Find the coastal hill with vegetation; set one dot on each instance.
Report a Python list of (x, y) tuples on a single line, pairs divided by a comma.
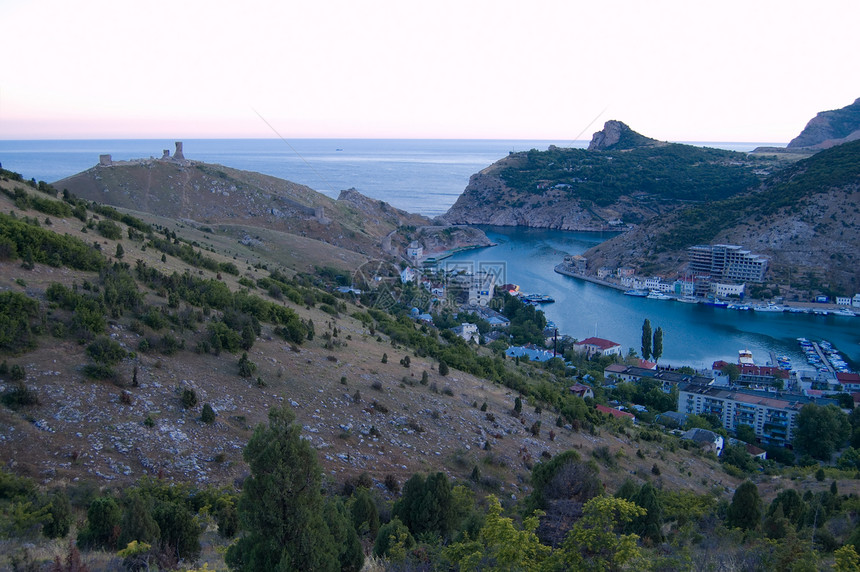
[(259, 210), (805, 218), (186, 389), (622, 179)]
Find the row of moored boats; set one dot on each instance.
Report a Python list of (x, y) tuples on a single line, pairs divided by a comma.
[(742, 307)]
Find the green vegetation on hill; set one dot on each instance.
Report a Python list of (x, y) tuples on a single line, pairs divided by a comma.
[(671, 172), (832, 168)]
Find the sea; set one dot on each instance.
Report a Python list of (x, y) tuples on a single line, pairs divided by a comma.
[(427, 176)]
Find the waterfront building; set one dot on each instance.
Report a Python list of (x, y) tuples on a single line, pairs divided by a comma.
[(724, 264), (597, 347), (576, 262), (604, 271), (723, 290), (751, 373), (773, 417)]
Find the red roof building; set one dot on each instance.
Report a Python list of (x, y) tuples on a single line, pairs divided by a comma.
[(617, 413), (597, 346)]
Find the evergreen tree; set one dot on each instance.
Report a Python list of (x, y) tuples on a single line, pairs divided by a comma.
[(120, 252), (646, 339), (657, 348), (60, 510), (821, 430), (103, 519), (281, 508), (745, 510), (137, 522), (443, 368), (648, 525)]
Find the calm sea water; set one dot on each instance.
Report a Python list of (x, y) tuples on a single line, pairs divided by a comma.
[(418, 175), (427, 176)]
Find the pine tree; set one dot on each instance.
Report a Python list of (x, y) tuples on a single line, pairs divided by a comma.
[(443, 368), (745, 510), (282, 510), (657, 349), (646, 339)]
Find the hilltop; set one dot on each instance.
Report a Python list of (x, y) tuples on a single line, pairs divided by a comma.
[(829, 128), (622, 179), (258, 210)]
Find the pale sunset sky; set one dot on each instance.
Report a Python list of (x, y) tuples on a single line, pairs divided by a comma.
[(686, 70)]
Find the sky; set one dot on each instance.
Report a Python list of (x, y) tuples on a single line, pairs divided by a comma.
[(688, 70)]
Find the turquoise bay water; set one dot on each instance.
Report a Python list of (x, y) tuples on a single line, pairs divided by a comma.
[(427, 176), (694, 334)]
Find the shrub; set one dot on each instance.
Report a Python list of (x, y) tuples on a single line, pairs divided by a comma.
[(106, 351), (19, 397), (208, 414), (189, 398), (246, 366)]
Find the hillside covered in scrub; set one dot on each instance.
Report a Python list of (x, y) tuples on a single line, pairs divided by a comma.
[(805, 218), (175, 398), (624, 179)]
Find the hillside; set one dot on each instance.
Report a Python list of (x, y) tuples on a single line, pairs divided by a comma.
[(794, 217), (246, 204), (87, 428), (622, 179)]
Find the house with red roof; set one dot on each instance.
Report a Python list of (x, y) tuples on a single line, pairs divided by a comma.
[(597, 347), (617, 413), (848, 381)]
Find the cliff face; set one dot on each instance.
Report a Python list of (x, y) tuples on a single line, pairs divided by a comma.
[(617, 135), (623, 178), (830, 128)]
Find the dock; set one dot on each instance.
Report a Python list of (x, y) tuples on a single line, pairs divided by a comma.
[(824, 360)]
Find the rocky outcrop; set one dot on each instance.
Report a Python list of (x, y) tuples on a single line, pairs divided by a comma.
[(622, 179), (617, 135), (830, 128)]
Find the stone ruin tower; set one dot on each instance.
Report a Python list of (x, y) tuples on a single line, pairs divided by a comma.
[(177, 155)]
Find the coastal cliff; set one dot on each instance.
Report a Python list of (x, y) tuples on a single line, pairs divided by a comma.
[(621, 180), (830, 128)]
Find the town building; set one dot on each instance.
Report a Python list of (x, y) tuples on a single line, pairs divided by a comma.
[(468, 332), (773, 417), (617, 413), (597, 347), (725, 264), (415, 250), (667, 378), (707, 440), (582, 390)]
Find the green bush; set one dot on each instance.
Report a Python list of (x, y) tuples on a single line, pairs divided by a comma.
[(106, 351), (189, 398), (208, 414)]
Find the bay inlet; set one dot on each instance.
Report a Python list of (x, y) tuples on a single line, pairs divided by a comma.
[(694, 334)]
